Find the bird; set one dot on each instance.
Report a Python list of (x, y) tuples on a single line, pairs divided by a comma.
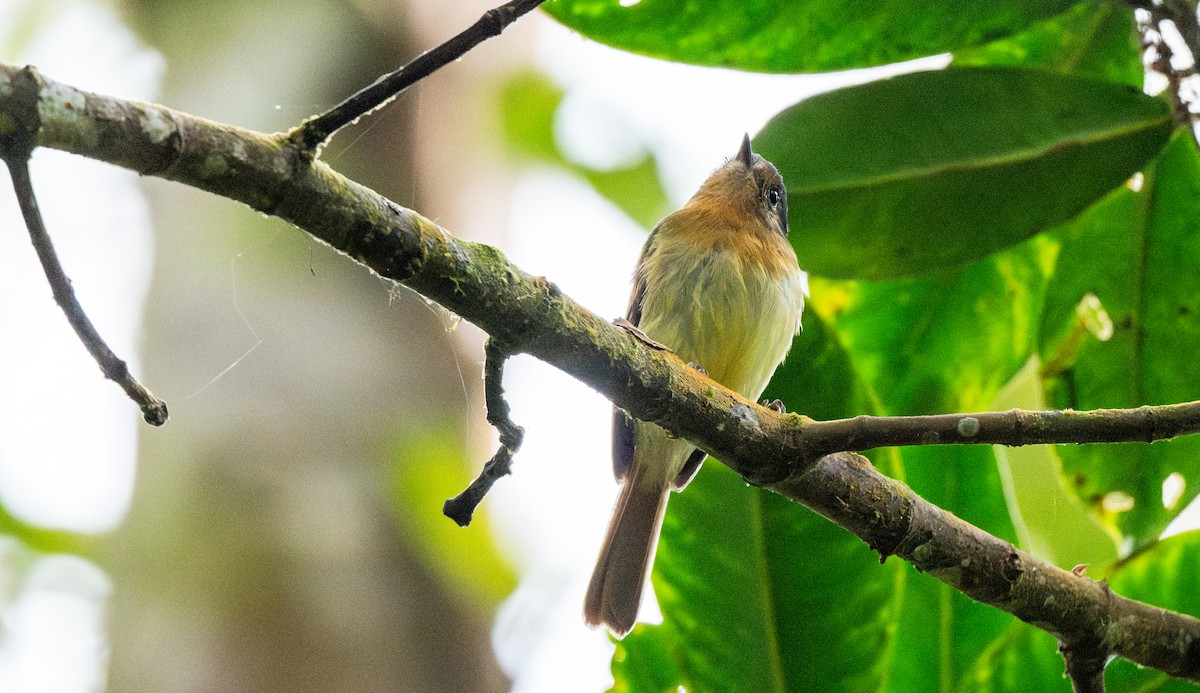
[(717, 283)]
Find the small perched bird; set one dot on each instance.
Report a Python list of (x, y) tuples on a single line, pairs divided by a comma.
[(717, 283)]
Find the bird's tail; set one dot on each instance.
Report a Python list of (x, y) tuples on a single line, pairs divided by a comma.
[(615, 592)]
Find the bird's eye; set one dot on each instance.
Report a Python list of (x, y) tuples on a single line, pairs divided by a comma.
[(773, 197)]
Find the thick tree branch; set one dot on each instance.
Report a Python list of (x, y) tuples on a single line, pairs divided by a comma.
[(785, 453)]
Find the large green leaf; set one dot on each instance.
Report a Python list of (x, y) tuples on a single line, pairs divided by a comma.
[(1022, 660), (1164, 575), (940, 632), (1138, 253), (797, 35), (943, 343), (1096, 38), (758, 593), (909, 175)]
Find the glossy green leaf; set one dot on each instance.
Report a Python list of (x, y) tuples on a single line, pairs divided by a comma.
[(1164, 575), (937, 344), (430, 468), (740, 570), (1095, 38), (943, 343), (528, 104), (940, 632), (1051, 523), (1137, 253), (1022, 660), (796, 35), (910, 175)]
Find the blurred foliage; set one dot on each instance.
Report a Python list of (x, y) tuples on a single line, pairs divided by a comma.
[(430, 466), (972, 234), (528, 104)]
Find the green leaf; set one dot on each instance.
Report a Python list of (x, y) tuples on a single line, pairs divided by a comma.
[(429, 468), (909, 175), (1164, 575), (1096, 38), (1023, 659), (757, 592), (944, 343), (528, 104), (797, 36), (43, 539), (1137, 253), (940, 632), (1052, 524)]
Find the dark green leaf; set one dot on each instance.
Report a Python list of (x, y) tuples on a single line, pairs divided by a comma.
[(797, 36), (940, 632), (1137, 252), (1022, 660), (913, 174), (1096, 38), (944, 343)]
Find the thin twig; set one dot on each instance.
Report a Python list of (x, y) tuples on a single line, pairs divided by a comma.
[(313, 133), (1013, 428), (154, 410), (461, 507)]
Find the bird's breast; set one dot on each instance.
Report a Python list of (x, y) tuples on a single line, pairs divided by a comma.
[(732, 309)]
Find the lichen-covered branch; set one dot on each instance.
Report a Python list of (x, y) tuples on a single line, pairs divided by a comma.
[(786, 453)]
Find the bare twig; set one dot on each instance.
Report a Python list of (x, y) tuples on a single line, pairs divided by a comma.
[(154, 410), (316, 131), (461, 507), (1013, 428), (529, 315)]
